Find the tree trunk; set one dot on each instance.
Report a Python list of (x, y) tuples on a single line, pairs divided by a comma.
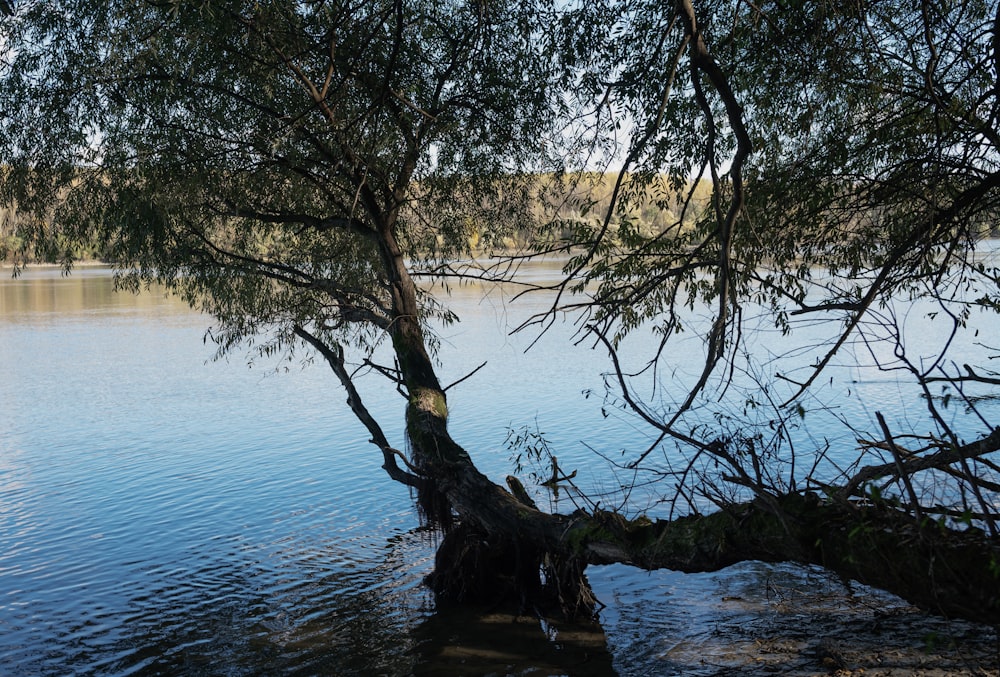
[(503, 548), (941, 570)]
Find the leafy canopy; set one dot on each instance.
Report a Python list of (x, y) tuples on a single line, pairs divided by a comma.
[(264, 158)]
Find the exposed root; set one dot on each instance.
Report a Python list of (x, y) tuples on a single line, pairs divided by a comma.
[(474, 567)]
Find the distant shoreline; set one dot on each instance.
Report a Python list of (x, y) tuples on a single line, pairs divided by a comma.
[(7, 268)]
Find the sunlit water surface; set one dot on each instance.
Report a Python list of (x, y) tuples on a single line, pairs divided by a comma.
[(162, 513)]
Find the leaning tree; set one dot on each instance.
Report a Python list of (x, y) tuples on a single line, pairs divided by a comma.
[(291, 167)]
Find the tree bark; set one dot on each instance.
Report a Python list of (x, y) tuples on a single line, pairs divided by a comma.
[(941, 570)]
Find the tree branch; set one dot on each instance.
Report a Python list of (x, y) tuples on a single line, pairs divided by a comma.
[(335, 358), (910, 465)]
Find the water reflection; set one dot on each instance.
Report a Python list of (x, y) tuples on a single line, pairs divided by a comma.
[(40, 291), (230, 613), (758, 619), (469, 641), (161, 515)]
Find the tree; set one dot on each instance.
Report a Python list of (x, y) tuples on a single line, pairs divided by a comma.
[(291, 167)]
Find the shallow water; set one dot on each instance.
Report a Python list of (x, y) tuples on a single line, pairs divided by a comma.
[(165, 514)]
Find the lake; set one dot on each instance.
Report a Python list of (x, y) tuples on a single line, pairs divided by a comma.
[(163, 513)]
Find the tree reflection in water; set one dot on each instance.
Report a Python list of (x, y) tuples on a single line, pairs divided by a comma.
[(464, 640)]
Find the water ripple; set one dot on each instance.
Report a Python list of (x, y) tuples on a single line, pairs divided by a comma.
[(161, 515)]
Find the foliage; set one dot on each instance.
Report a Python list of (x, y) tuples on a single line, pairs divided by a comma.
[(248, 154)]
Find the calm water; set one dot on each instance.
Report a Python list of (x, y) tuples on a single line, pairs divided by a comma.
[(161, 513)]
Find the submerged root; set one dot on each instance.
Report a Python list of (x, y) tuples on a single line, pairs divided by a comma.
[(565, 583), (473, 567)]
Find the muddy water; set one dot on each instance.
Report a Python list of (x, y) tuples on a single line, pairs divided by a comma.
[(164, 515)]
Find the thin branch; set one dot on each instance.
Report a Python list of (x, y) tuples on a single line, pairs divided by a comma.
[(467, 376), (335, 358), (897, 459), (940, 459)]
